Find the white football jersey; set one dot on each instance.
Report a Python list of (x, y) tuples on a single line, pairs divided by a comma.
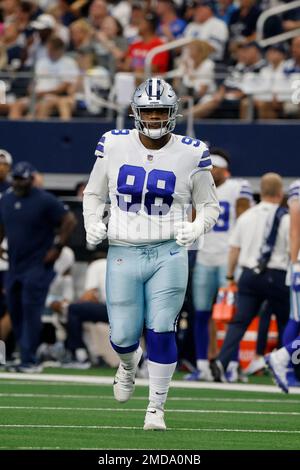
[(214, 251), (149, 190)]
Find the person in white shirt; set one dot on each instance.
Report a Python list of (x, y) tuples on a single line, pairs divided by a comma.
[(197, 71), (235, 196), (260, 246), (207, 27), (271, 81), (56, 75)]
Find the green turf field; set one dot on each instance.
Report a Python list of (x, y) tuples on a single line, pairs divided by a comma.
[(77, 416)]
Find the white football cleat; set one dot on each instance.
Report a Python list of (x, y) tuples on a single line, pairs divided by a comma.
[(154, 420), (279, 371), (124, 378)]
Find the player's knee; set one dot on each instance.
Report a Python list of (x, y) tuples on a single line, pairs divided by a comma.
[(123, 340)]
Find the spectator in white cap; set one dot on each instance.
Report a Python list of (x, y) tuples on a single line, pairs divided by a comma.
[(5, 167), (44, 27)]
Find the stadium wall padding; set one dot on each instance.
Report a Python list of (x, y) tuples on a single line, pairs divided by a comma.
[(58, 147)]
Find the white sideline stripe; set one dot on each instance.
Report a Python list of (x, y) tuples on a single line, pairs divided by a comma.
[(145, 398), (126, 428), (143, 382), (142, 410)]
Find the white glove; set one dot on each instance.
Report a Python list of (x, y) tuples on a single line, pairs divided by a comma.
[(95, 233), (187, 233)]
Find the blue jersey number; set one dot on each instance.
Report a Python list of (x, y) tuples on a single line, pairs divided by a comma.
[(160, 184), (222, 224), (189, 141)]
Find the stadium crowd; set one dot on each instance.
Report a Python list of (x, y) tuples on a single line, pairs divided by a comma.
[(58, 57)]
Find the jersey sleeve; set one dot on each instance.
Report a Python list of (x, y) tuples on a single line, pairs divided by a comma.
[(245, 191), (203, 158), (294, 191), (99, 152), (96, 191)]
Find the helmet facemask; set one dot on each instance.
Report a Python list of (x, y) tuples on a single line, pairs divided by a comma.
[(145, 126), (155, 94)]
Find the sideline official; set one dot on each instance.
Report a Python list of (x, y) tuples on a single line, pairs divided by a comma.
[(37, 225)]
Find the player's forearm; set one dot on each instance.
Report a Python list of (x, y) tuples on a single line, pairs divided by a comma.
[(67, 226), (205, 200), (93, 208), (233, 258)]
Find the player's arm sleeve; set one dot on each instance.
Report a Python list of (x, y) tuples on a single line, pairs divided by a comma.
[(245, 191), (245, 198), (294, 192), (96, 192), (205, 200)]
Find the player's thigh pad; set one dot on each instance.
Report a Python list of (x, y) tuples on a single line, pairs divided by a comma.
[(124, 296), (205, 286), (165, 290)]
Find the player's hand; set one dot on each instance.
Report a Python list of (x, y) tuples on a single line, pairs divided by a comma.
[(186, 233), (96, 233), (296, 277)]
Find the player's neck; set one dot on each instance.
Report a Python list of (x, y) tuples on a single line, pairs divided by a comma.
[(154, 144)]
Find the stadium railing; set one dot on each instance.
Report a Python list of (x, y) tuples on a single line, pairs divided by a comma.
[(275, 10)]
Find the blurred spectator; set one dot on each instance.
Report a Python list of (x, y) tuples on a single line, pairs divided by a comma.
[(225, 9), (291, 19), (24, 15), (196, 71), (92, 83), (170, 26), (67, 15), (243, 21), (135, 58), (232, 91), (97, 12), (32, 252), (207, 27), (43, 27), (13, 48), (9, 10), (81, 35), (121, 10), (55, 76), (284, 84), (110, 46), (271, 80), (131, 29)]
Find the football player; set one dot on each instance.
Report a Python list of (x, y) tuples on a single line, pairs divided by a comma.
[(235, 196), (280, 360), (150, 176)]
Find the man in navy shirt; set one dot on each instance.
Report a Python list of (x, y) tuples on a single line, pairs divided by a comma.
[(37, 225)]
